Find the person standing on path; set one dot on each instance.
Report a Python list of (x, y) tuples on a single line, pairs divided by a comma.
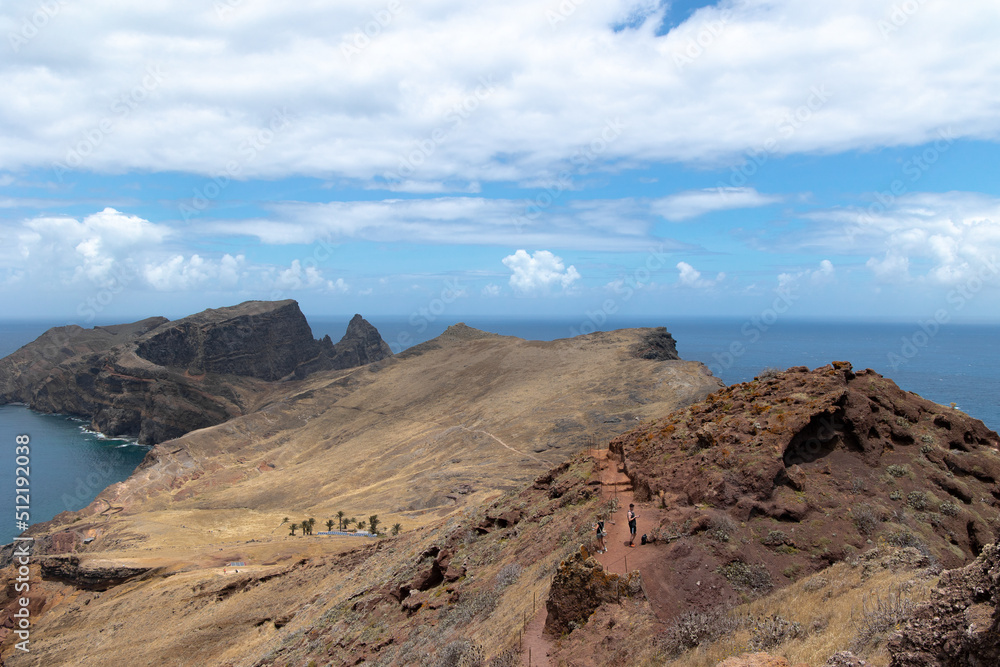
[(601, 548), (631, 523)]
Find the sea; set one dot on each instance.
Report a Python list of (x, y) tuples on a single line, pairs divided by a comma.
[(946, 363)]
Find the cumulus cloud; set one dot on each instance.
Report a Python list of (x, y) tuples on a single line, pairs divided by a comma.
[(539, 272), (936, 238), (824, 275), (500, 103), (196, 272), (96, 250), (691, 277), (694, 203), (295, 277), (893, 268)]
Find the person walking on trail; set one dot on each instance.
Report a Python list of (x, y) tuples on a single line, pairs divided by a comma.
[(631, 523), (601, 548)]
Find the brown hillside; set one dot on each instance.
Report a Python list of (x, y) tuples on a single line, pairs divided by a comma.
[(771, 480)]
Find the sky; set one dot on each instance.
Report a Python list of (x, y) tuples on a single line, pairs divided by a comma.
[(532, 158)]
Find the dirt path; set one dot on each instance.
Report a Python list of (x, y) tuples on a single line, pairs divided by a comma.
[(535, 646), (620, 558)]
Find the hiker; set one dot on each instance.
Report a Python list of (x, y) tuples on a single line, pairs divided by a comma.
[(601, 548), (631, 523)]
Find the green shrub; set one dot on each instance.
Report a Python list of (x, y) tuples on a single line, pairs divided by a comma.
[(948, 508), (917, 500)]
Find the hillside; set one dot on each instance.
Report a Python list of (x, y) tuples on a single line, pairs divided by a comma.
[(430, 439), (156, 379), (804, 513)]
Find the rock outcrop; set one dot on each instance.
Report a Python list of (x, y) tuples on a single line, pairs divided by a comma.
[(960, 626), (765, 482), (658, 344), (88, 576), (156, 380), (579, 587)]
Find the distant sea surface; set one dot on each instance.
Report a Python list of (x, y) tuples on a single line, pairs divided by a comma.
[(957, 363)]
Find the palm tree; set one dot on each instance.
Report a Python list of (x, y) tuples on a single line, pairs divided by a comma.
[(361, 524), (311, 522), (340, 519), (373, 523), (396, 528), (285, 520), (294, 526), (329, 525), (305, 527)]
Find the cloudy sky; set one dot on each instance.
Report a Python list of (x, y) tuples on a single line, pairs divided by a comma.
[(524, 157)]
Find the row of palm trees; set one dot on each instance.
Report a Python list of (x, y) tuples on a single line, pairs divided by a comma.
[(343, 522)]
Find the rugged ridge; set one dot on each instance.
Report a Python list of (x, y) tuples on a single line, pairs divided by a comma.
[(156, 379), (801, 469)]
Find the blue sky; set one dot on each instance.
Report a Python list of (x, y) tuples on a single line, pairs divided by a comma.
[(525, 158)]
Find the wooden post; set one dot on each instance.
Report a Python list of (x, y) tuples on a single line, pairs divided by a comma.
[(533, 596), (626, 564), (529, 656)]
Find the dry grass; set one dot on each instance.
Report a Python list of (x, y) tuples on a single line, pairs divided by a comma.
[(835, 610)]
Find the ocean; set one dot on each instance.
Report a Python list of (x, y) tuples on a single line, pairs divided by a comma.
[(957, 363)]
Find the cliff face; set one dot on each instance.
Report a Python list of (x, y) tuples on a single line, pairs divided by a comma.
[(157, 380)]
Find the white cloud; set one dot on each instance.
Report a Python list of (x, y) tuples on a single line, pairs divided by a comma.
[(219, 78), (893, 268), (691, 204), (617, 225), (936, 238), (296, 277), (691, 277), (824, 275), (98, 250), (180, 274), (539, 272)]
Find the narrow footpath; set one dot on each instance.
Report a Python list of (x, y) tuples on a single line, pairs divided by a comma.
[(620, 557)]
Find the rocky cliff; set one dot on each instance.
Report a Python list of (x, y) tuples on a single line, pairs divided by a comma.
[(156, 379)]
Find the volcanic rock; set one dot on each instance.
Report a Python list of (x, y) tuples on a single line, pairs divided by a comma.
[(960, 625), (157, 380), (579, 587)]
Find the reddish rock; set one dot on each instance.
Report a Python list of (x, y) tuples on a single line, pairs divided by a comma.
[(960, 625)]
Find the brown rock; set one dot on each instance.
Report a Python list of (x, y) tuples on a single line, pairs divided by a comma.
[(960, 625)]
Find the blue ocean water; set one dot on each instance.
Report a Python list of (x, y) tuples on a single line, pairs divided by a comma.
[(68, 465), (957, 363)]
